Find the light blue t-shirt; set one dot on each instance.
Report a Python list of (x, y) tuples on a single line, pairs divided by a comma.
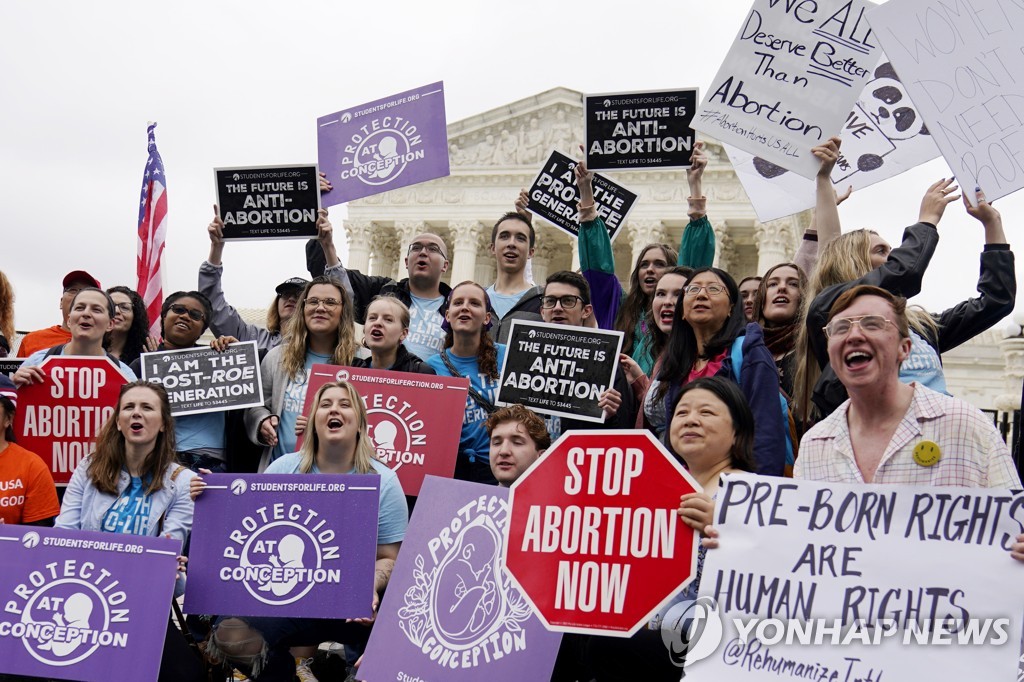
[(291, 408), (502, 303), (200, 432), (425, 337), (37, 358), (923, 366), (130, 512), (393, 516), (474, 443)]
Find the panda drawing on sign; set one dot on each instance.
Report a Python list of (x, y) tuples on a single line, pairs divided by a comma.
[(883, 118)]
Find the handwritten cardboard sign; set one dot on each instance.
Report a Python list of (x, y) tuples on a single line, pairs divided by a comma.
[(884, 582), (961, 66), (789, 80)]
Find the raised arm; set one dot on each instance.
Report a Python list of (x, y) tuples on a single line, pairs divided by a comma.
[(997, 283), (825, 220), (697, 246), (597, 262)]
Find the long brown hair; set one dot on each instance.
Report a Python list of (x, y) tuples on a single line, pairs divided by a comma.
[(364, 454), (109, 458), (487, 353), (296, 343), (637, 304)]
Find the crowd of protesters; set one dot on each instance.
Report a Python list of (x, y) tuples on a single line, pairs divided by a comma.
[(816, 369)]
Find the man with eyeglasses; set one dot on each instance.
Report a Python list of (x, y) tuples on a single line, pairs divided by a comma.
[(889, 432), (226, 321), (566, 300), (422, 291), (58, 334)]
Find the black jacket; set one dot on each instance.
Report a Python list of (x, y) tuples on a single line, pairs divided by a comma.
[(404, 362), (901, 274)]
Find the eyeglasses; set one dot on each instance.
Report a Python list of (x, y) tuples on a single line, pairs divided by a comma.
[(290, 295), (329, 303), (179, 309), (712, 289), (124, 307), (429, 248), (72, 290), (841, 326), (567, 302)]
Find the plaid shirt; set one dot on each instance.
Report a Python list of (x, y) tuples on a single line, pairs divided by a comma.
[(973, 454)]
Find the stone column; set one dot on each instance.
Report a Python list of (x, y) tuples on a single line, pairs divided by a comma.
[(465, 235), (641, 233), (542, 256), (405, 230), (384, 246), (725, 250), (1013, 354), (486, 269), (774, 241), (358, 234)]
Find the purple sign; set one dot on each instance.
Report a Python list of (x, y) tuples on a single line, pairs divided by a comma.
[(450, 613), (284, 545), (78, 604), (382, 145)]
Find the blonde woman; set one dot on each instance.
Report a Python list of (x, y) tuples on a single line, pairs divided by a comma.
[(6, 315), (321, 332), (337, 444), (384, 333), (863, 257)]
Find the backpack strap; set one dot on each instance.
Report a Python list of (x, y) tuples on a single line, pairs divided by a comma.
[(737, 356), (478, 398), (59, 350)]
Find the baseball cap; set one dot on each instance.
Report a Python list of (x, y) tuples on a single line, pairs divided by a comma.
[(8, 389), (291, 283), (80, 276)]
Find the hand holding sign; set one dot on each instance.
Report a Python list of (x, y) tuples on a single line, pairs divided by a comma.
[(28, 375), (935, 200)]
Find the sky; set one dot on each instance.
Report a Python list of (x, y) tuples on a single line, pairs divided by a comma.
[(242, 84)]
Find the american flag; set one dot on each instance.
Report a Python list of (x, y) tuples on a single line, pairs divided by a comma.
[(152, 232)]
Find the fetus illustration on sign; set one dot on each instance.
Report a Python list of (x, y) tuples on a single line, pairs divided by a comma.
[(290, 550), (74, 616), (466, 599)]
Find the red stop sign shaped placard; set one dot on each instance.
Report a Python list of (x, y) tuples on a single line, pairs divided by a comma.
[(594, 540), (59, 418)]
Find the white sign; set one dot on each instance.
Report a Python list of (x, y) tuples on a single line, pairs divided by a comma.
[(869, 582), (794, 71), (961, 63), (884, 135)]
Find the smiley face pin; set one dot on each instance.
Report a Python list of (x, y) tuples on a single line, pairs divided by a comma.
[(927, 453)]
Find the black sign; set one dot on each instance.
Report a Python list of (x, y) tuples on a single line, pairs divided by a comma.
[(8, 366), (275, 202), (640, 129), (560, 370), (553, 196), (201, 379)]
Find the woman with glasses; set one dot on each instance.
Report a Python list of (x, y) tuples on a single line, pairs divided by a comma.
[(863, 257), (200, 438), (629, 312), (322, 332), (90, 318), (710, 338), (470, 352), (225, 320), (130, 336)]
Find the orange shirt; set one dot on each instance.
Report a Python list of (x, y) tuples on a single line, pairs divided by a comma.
[(27, 493), (42, 339)]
